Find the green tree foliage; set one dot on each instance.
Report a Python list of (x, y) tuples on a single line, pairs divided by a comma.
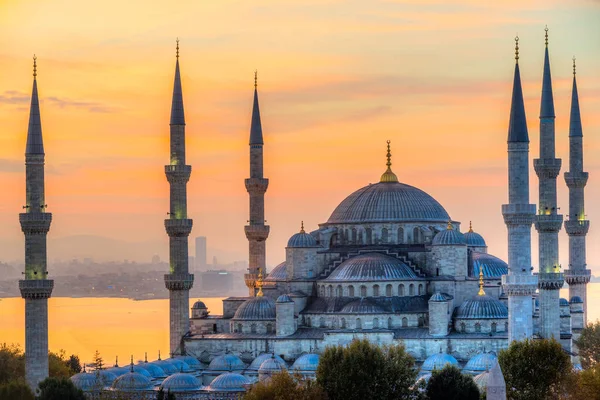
[(451, 384), (73, 364), (59, 389), (16, 390), (161, 395), (589, 345), (535, 369), (12, 363), (284, 386), (365, 371), (587, 384), (57, 365), (98, 361)]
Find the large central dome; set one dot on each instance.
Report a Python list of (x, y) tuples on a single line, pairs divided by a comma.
[(388, 202)]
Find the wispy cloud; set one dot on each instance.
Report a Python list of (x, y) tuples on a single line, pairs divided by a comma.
[(19, 98), (8, 165)]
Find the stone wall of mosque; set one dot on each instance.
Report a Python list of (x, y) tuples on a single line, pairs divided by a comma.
[(364, 321)]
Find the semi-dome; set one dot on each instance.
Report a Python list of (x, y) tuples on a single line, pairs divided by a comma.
[(492, 267), (256, 363), (88, 382), (257, 308), (278, 273), (388, 202), (153, 369), (306, 362), (132, 381), (302, 239), (181, 382), (199, 305), (371, 267), (576, 300), (361, 306), (481, 307), (438, 361), (229, 382), (449, 237), (226, 362), (473, 238), (272, 364), (481, 362)]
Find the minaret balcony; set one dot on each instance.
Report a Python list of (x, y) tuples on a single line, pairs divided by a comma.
[(258, 233), (35, 222), (577, 277), (35, 289), (548, 222), (178, 173), (576, 179), (178, 227), (518, 214), (550, 280), (256, 185), (519, 285), (547, 168), (575, 227), (179, 281)]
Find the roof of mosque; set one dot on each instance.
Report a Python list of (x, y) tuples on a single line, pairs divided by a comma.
[(229, 382), (306, 362), (179, 364), (576, 300), (563, 302), (256, 363), (492, 266), (371, 267), (141, 370), (153, 369), (181, 382), (440, 297), (284, 298), (199, 304), (448, 237), (118, 371), (166, 366), (302, 239), (107, 377), (193, 362), (278, 273), (474, 239), (132, 381), (395, 304), (481, 307), (227, 362), (272, 364), (256, 308), (361, 306), (438, 361), (88, 381), (481, 362), (388, 202)]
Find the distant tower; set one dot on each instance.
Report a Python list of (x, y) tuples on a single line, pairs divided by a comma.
[(256, 231), (179, 281), (577, 276), (35, 224), (548, 222), (201, 253), (518, 214)]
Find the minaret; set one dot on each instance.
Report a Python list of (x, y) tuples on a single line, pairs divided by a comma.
[(518, 214), (548, 222), (577, 226), (256, 230), (35, 224), (179, 281)]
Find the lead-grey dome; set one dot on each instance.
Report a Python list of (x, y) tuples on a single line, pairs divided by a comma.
[(179, 364), (226, 362), (302, 239), (306, 362), (493, 267), (154, 370), (166, 366), (132, 381), (474, 239), (278, 273), (481, 307), (576, 300), (107, 377), (481, 362), (371, 267), (88, 382), (191, 361), (199, 305), (257, 308), (229, 382), (272, 364), (388, 202), (438, 361), (256, 363), (449, 237), (181, 382)]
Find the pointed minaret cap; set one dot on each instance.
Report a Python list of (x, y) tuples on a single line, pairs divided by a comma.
[(35, 143), (517, 127), (388, 176), (575, 128), (177, 114), (256, 137), (547, 106)]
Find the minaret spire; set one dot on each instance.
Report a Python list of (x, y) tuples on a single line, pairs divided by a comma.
[(178, 226), (256, 137), (35, 224), (517, 126)]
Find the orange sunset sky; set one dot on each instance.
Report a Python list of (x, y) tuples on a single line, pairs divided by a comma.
[(336, 80)]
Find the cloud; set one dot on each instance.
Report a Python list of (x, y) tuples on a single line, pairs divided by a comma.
[(19, 98), (8, 165), (14, 97)]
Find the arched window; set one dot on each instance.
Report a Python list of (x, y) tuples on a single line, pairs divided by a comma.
[(360, 237), (308, 321), (420, 289), (375, 290), (339, 291), (411, 290), (358, 324), (400, 239), (343, 323), (369, 234), (269, 328), (390, 325), (351, 291), (353, 235), (363, 291), (506, 326), (384, 235), (388, 290), (375, 323), (346, 236), (322, 322), (494, 327), (334, 323), (463, 327), (477, 327), (405, 322), (416, 235), (322, 291), (253, 328), (330, 291), (400, 290), (334, 240), (421, 322)]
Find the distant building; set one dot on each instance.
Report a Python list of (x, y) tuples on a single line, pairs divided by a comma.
[(216, 281), (201, 253)]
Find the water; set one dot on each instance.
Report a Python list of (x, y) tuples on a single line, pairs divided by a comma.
[(123, 327)]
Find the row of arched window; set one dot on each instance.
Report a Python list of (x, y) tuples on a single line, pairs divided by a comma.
[(478, 327), (367, 236), (362, 323), (252, 328), (372, 290)]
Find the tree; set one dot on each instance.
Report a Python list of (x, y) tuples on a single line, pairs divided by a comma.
[(587, 384), (161, 395), (57, 365), (98, 361), (450, 384), (589, 345), (365, 371), (73, 364), (16, 390), (535, 369), (59, 389), (12, 363), (284, 386)]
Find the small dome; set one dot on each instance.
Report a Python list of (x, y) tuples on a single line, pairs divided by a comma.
[(272, 364), (226, 362), (284, 298), (449, 237), (302, 239), (199, 305), (256, 363), (179, 364), (107, 377), (481, 362), (278, 273), (481, 307), (481, 380), (474, 239), (563, 302), (493, 267), (361, 306), (424, 378), (306, 362), (576, 300), (438, 361), (371, 267), (439, 297), (166, 366), (141, 370), (181, 382), (155, 370), (191, 361), (257, 308), (132, 381), (87, 381), (118, 371), (229, 382)]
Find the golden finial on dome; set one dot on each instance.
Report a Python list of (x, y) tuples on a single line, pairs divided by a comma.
[(449, 226), (259, 284), (470, 226), (388, 175), (302, 227), (481, 291)]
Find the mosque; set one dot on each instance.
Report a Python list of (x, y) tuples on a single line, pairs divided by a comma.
[(390, 265)]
